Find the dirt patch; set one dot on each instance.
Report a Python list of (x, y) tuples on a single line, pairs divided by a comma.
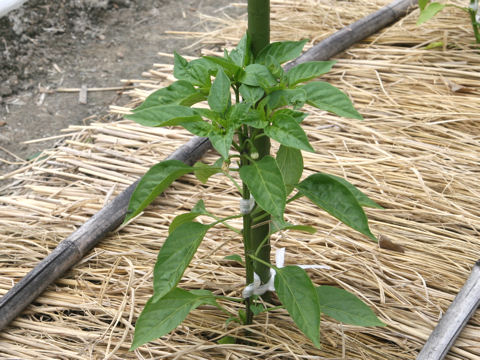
[(46, 45)]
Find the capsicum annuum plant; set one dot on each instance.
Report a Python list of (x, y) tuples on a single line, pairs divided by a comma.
[(248, 99)]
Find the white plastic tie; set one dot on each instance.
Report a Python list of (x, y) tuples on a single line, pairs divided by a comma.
[(246, 205), (257, 288)]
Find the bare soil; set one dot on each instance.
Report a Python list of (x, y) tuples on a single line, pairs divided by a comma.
[(46, 45)]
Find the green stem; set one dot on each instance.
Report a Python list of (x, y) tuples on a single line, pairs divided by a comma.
[(474, 25)]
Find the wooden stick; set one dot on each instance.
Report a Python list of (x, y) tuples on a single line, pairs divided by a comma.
[(454, 320), (72, 249), (359, 30)]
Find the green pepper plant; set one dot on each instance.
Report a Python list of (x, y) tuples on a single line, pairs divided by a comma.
[(429, 9), (249, 98)]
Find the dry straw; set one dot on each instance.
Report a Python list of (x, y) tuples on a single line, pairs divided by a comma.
[(416, 154)]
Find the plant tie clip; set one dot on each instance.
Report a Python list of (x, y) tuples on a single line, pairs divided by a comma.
[(257, 288), (246, 205)]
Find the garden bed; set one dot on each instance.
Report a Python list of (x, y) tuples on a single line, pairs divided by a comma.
[(416, 154)]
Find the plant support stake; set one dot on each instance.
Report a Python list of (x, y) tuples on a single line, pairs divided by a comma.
[(72, 249), (454, 320)]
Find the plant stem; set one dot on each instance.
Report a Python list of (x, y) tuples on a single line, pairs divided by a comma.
[(474, 25), (259, 32), (249, 249)]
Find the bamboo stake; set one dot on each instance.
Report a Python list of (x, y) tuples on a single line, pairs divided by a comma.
[(359, 30), (454, 320), (73, 249)]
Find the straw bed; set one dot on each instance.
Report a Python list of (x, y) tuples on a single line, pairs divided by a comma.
[(416, 154)]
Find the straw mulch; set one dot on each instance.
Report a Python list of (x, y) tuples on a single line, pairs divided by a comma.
[(416, 154)]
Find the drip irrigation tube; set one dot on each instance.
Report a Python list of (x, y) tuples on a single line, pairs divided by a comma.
[(72, 249)]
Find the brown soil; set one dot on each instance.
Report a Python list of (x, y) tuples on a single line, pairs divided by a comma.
[(46, 45)]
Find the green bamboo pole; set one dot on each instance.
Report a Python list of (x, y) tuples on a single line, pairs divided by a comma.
[(259, 33)]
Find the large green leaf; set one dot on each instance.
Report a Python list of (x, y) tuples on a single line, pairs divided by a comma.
[(282, 51), (297, 293), (345, 307), (160, 317), (429, 12), (286, 131), (307, 71), (152, 184), (327, 97), (290, 163), (175, 256), (164, 115), (265, 182), (258, 75), (181, 92), (219, 98), (335, 198), (362, 199)]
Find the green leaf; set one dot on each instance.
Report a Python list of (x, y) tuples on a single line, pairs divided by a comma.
[(251, 94), (197, 72), (180, 92), (280, 225), (235, 257), (282, 51), (222, 140), (335, 198), (258, 75), (297, 115), (242, 54), (327, 97), (175, 256), (219, 98), (265, 182), (274, 67), (160, 317), (290, 163), (422, 4), (203, 171), (230, 68), (198, 209), (286, 131), (227, 340), (199, 128), (297, 293), (152, 184), (164, 115), (429, 12), (345, 307), (294, 97), (307, 71), (242, 113), (362, 199)]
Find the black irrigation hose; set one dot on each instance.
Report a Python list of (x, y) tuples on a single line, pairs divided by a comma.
[(78, 244)]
